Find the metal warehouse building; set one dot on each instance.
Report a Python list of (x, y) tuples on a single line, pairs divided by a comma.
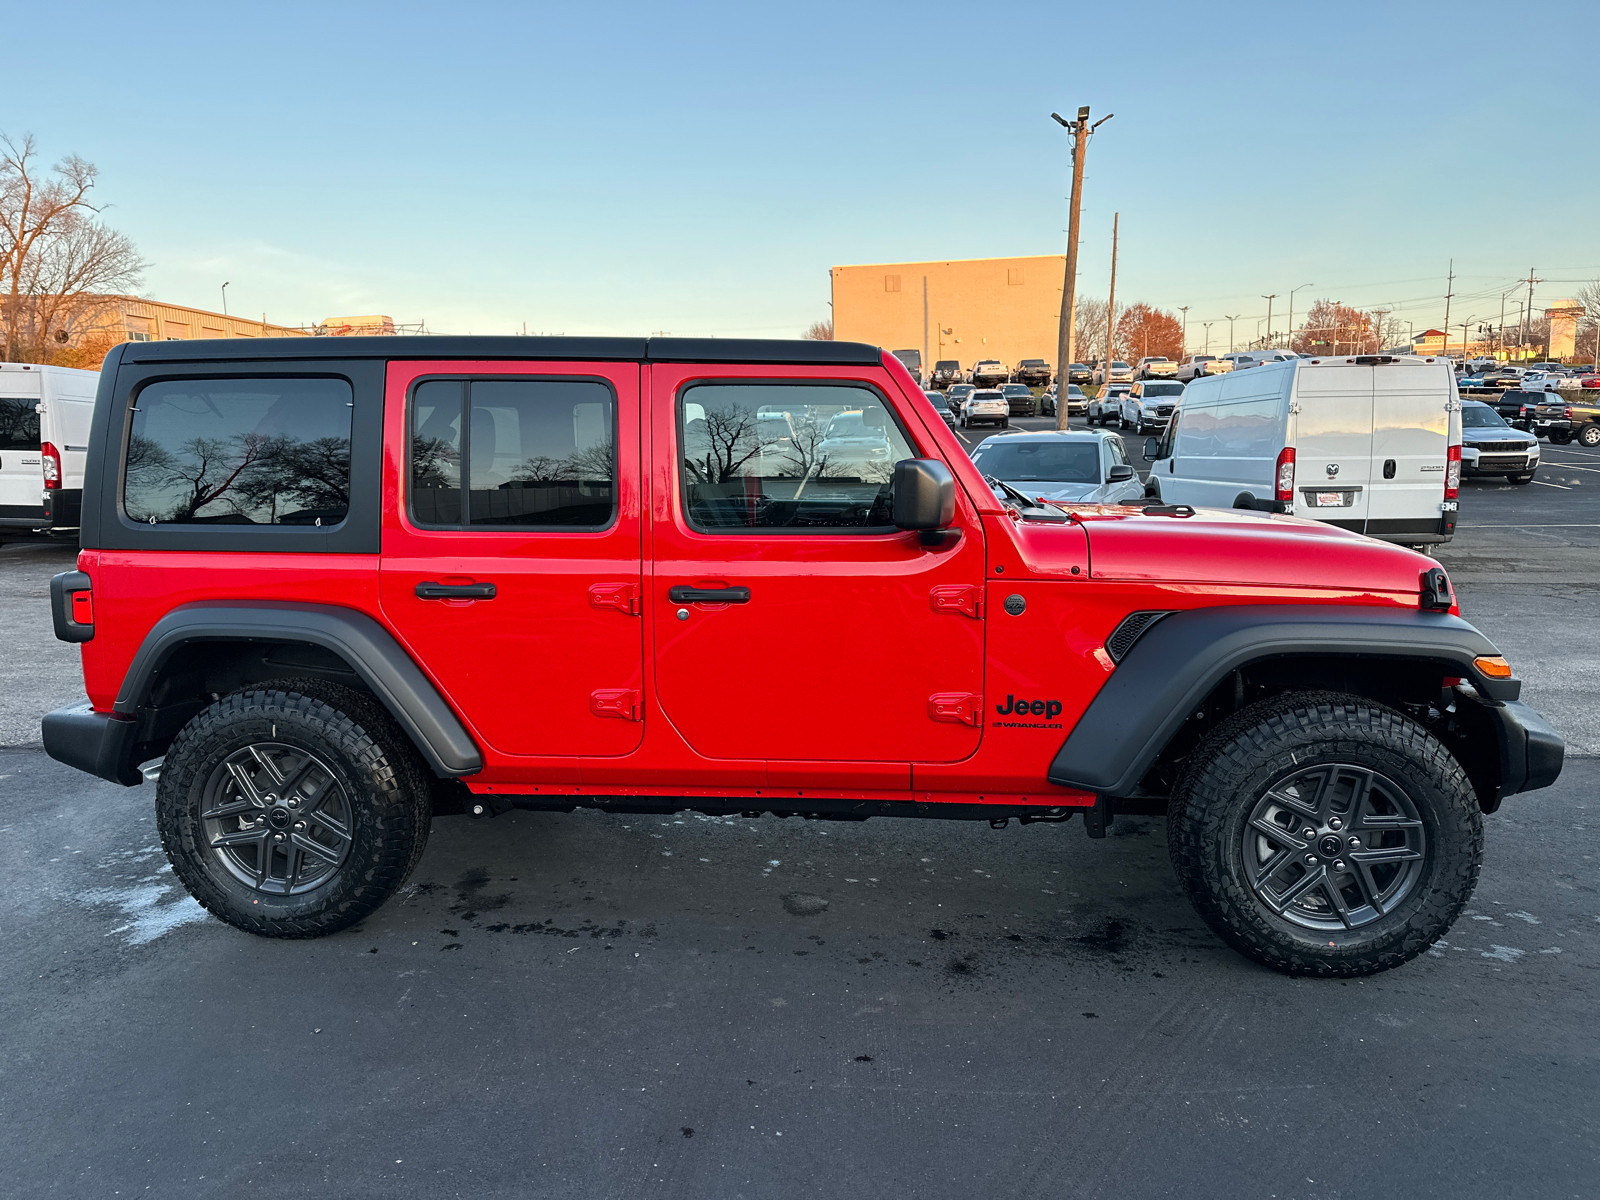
[(1005, 308)]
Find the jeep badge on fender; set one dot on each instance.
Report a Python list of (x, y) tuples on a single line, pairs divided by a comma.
[(1021, 708), (407, 617)]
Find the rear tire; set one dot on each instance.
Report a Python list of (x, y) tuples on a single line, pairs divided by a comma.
[(307, 776), (1589, 435), (1395, 846)]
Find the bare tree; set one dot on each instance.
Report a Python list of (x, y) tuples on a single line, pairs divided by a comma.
[(58, 264), (1589, 323), (1091, 323), (819, 331)]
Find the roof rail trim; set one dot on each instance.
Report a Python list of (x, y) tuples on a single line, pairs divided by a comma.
[(566, 349)]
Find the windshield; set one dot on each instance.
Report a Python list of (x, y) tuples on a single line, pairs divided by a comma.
[(1051, 462), (1476, 416), (935, 399), (1163, 389), (1118, 365)]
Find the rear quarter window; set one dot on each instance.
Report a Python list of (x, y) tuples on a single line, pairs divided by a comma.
[(239, 452)]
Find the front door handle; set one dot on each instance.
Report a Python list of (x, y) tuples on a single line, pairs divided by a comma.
[(429, 590), (726, 595)]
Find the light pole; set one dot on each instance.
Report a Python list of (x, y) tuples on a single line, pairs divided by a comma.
[(1207, 326), (1067, 334), (1500, 334), (1184, 349), (1292, 291), (1230, 321), (1518, 303), (1269, 300), (224, 299)]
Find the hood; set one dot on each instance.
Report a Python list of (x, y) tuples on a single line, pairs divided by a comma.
[(1472, 436), (1061, 493), (1215, 546)]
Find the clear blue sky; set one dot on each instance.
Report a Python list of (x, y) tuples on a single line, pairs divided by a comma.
[(617, 168)]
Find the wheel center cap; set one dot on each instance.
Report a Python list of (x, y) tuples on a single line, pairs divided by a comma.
[(278, 818), (1329, 845)]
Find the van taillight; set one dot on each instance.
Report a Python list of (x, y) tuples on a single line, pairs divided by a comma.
[(1452, 473), (52, 465), (1285, 475)]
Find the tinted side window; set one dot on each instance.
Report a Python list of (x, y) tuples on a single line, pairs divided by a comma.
[(19, 423), (781, 456), (239, 452), (537, 453)]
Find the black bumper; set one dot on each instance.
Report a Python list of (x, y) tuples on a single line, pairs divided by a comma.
[(1531, 752), (99, 743)]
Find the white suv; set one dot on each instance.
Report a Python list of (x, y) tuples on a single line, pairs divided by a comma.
[(986, 404)]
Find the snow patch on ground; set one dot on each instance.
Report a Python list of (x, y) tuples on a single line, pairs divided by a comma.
[(147, 916)]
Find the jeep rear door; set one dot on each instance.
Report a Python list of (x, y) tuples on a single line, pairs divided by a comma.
[(791, 621), (519, 594)]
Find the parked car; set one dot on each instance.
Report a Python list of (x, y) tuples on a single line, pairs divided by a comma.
[(1149, 404), (1020, 399), (1590, 381), (941, 405), (44, 433), (1106, 407), (1156, 367), (1582, 418), (1077, 401), (988, 373), (988, 405), (1079, 373), (1373, 449), (1541, 381), (404, 617), (1242, 360), (913, 363), (1067, 466), (1516, 407), (1198, 366), (1034, 372), (1121, 372), (945, 372), (1498, 448), (1501, 377)]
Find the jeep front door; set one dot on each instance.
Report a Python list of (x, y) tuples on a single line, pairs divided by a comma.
[(792, 621), (511, 548)]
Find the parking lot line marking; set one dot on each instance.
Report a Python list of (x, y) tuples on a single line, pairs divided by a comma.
[(1542, 483), (1580, 526), (963, 437), (1567, 466)]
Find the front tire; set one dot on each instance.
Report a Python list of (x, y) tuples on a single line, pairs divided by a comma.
[(1393, 850), (292, 810)]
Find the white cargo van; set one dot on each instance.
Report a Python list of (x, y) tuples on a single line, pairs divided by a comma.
[(1369, 443), (44, 435)]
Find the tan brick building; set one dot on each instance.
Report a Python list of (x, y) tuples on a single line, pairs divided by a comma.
[(966, 309), (127, 318)]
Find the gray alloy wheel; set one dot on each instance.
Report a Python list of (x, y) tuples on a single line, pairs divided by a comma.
[(1325, 834), (276, 817), (1589, 435)]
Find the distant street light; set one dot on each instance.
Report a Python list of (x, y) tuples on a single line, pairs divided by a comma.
[(1292, 291), (224, 299), (1207, 326), (1184, 349), (1230, 321), (1269, 300)]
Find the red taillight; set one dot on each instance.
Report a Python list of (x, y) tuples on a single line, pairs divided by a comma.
[(83, 608), (1452, 473), (1569, 414), (52, 465), (1285, 475)]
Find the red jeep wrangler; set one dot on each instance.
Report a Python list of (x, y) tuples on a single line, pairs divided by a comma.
[(338, 588)]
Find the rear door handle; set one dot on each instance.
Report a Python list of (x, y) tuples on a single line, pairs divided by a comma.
[(691, 595), (429, 590)]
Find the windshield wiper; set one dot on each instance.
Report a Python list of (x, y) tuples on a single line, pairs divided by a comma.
[(1026, 506)]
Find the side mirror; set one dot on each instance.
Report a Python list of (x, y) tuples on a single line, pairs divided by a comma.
[(1152, 449), (1120, 473), (924, 494)]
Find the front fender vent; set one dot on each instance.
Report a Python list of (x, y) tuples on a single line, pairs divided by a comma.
[(1131, 629)]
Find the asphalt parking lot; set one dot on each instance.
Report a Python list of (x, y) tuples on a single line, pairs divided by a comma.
[(597, 1005)]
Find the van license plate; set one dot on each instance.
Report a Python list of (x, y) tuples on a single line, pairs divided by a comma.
[(1330, 499)]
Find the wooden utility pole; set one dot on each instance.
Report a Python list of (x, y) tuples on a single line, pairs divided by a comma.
[(1066, 340), (1111, 304), (1449, 290)]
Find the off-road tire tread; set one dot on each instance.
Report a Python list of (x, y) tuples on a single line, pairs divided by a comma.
[(1271, 736), (380, 766)]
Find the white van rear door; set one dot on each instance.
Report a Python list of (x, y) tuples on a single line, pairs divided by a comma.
[(1410, 442), (1333, 443), (21, 465)]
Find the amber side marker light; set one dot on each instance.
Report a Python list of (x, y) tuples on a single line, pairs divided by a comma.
[(1495, 667)]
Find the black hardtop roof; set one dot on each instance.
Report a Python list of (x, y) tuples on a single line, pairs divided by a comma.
[(620, 349)]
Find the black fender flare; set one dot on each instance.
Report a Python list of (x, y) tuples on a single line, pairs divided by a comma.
[(371, 650), (1171, 669)]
